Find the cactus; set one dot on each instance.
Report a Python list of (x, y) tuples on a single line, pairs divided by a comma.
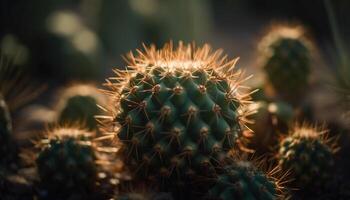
[(308, 154), (78, 105), (178, 111), (242, 181), (271, 121), (286, 59), (8, 148), (66, 163)]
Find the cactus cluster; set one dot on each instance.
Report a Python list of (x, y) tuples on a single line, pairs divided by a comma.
[(178, 111), (66, 163), (286, 60), (241, 180), (308, 155)]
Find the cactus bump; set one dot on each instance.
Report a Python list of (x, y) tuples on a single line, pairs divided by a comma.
[(177, 110)]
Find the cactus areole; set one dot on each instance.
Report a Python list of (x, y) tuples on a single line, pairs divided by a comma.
[(177, 111)]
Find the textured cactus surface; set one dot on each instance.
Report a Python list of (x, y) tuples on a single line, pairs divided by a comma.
[(286, 58), (179, 110), (67, 162), (308, 157), (8, 150), (242, 181)]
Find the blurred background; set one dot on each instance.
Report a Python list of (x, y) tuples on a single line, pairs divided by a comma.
[(61, 41)]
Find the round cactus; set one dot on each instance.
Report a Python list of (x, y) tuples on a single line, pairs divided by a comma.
[(79, 105), (242, 181), (66, 163), (177, 111), (8, 149), (270, 121), (286, 59), (307, 155)]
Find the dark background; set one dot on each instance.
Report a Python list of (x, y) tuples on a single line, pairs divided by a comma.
[(61, 41)]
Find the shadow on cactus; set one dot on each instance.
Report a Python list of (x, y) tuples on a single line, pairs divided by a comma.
[(308, 154), (177, 111), (286, 57)]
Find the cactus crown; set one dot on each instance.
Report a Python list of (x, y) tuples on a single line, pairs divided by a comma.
[(177, 110), (308, 154), (241, 180), (66, 162)]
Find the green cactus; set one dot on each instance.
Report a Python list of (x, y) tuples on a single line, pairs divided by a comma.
[(66, 163), (242, 181), (179, 113), (8, 148), (308, 156), (286, 59), (79, 105)]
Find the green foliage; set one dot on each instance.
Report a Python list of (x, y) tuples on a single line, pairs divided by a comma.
[(307, 156), (242, 181), (8, 148), (80, 109), (67, 166)]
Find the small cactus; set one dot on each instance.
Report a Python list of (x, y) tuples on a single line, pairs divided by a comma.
[(286, 58), (66, 163), (78, 105), (178, 111), (308, 155), (241, 180)]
